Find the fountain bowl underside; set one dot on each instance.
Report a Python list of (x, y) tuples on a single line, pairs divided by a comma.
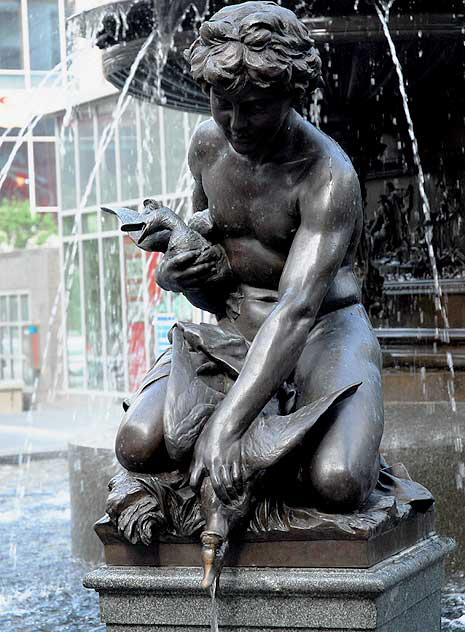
[(171, 85)]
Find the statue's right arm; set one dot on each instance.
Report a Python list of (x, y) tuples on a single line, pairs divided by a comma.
[(206, 285)]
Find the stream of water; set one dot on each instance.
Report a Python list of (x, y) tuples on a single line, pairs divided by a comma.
[(383, 15), (382, 9), (214, 606)]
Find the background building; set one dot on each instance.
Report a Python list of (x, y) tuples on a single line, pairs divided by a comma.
[(32, 77), (116, 316), (28, 291), (95, 147)]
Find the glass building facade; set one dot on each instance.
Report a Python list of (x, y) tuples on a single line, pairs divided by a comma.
[(31, 41), (32, 176), (32, 47), (116, 317)]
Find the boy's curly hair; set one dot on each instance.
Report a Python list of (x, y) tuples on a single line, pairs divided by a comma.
[(255, 42)]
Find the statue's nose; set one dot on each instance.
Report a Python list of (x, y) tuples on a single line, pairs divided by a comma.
[(238, 121)]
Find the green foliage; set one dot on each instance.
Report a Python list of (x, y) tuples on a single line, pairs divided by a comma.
[(18, 225)]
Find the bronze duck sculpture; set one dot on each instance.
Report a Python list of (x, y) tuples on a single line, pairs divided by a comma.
[(159, 229), (189, 404)]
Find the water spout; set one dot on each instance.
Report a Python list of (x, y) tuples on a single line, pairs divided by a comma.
[(214, 548)]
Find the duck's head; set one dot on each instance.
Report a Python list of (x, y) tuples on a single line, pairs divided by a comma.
[(214, 547), (160, 222)]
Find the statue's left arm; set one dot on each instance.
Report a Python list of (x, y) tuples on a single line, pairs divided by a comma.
[(329, 213)]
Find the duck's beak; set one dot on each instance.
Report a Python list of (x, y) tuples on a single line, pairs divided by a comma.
[(213, 552)]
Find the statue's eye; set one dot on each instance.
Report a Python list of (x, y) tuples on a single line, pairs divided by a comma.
[(224, 104), (258, 106)]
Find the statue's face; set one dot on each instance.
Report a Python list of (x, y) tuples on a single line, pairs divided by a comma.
[(252, 118)]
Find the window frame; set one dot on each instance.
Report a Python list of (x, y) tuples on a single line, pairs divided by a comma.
[(18, 324)]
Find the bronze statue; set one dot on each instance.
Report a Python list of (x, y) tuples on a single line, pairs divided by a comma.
[(283, 396)]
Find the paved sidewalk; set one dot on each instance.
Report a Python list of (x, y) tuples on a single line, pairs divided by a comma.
[(48, 430), (94, 421)]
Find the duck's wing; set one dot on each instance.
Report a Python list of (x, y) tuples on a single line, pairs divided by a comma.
[(270, 438), (189, 401)]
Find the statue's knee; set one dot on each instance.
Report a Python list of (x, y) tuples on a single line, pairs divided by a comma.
[(137, 449), (339, 488)]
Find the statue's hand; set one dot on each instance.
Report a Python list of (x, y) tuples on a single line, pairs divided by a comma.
[(219, 457), (184, 271), (193, 269)]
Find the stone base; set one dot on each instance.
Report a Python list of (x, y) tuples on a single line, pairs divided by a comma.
[(326, 547), (400, 594)]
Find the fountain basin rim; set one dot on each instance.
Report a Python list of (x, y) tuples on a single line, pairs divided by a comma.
[(349, 28), (96, 14), (356, 28), (314, 581)]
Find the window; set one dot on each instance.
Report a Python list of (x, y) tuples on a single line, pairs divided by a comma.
[(32, 176), (113, 314), (108, 185), (68, 168), (17, 336), (30, 48), (175, 150), (11, 41), (87, 156), (74, 336), (92, 314), (128, 150), (44, 39), (45, 174), (114, 331), (151, 150), (17, 181)]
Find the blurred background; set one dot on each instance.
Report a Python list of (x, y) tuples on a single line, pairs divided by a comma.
[(97, 108)]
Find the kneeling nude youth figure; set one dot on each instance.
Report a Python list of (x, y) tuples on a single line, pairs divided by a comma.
[(281, 398)]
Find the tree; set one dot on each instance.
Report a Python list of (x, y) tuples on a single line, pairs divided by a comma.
[(18, 225)]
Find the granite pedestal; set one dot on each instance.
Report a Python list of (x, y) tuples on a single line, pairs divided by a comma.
[(400, 594)]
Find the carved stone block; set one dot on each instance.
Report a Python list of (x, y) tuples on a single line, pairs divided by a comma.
[(401, 594)]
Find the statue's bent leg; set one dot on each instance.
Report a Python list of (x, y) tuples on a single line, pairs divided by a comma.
[(341, 461), (140, 444)]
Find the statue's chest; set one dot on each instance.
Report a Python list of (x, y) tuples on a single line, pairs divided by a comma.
[(261, 205)]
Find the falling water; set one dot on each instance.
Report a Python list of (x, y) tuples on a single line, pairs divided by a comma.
[(214, 607), (33, 120), (440, 307), (69, 266), (315, 108), (123, 101), (107, 135), (26, 128), (182, 183), (109, 130), (384, 19)]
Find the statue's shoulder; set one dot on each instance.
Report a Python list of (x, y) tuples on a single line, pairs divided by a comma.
[(207, 140), (327, 163), (329, 151)]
